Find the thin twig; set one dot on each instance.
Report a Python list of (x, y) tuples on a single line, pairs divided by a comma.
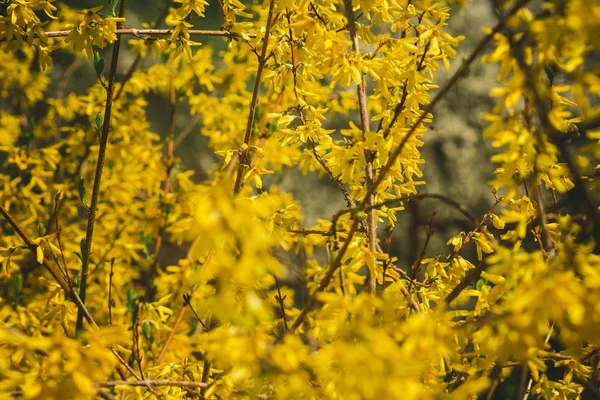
[(429, 233), (187, 299), (310, 232), (110, 278), (136, 353), (314, 9), (388, 246), (171, 334), (205, 376), (280, 300), (243, 158), (159, 32), (93, 209), (187, 130), (206, 327), (64, 269), (149, 382), (421, 196)]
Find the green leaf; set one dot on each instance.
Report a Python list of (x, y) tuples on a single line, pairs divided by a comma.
[(146, 240), (147, 329), (481, 283), (98, 126), (98, 64), (81, 190), (40, 229), (132, 304), (113, 7), (17, 286), (82, 247), (30, 126)]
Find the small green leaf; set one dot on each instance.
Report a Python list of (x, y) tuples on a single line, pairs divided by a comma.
[(113, 7), (81, 189), (147, 329), (146, 240), (98, 126), (360, 215), (481, 283), (77, 281), (98, 64), (40, 229), (17, 286), (132, 304), (257, 113), (194, 325), (82, 247), (30, 126)]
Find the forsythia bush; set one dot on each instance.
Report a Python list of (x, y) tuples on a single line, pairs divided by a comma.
[(253, 303)]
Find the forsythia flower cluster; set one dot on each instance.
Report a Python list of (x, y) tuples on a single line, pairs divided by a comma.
[(217, 288)]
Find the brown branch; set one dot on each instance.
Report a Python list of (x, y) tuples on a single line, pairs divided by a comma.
[(188, 129), (64, 269), (388, 246), (207, 365), (314, 9), (411, 302), (429, 233), (172, 334), (149, 382), (421, 196), (110, 278), (280, 300), (243, 158), (205, 376), (187, 299), (462, 71), (310, 232), (135, 351), (158, 32), (93, 209)]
